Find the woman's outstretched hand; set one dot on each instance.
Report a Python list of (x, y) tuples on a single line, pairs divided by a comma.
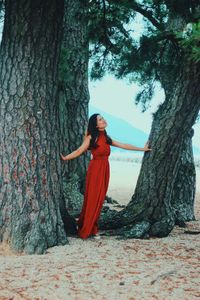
[(146, 147), (63, 157)]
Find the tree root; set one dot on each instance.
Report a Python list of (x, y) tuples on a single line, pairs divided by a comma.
[(138, 230)]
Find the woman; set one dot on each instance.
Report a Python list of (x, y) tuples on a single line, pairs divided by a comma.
[(98, 173)]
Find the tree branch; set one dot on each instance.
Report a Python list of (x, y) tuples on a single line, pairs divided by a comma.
[(143, 10), (148, 14)]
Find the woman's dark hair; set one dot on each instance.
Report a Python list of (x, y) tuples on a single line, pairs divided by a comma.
[(94, 132)]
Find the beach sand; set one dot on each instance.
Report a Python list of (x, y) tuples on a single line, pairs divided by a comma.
[(109, 268)]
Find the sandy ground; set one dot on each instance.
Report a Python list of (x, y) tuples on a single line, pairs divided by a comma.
[(167, 268)]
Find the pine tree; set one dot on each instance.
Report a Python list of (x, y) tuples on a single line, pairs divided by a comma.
[(30, 170), (161, 55)]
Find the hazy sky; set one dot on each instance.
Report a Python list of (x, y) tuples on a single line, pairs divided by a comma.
[(116, 97)]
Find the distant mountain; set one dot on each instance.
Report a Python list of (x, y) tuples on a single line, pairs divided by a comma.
[(122, 131)]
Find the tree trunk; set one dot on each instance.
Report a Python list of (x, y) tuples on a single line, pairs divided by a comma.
[(150, 210), (74, 98), (185, 184), (30, 171)]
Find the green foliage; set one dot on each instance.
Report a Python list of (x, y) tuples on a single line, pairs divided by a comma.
[(2, 4), (190, 41), (108, 35), (2, 9), (157, 56), (144, 97), (114, 48)]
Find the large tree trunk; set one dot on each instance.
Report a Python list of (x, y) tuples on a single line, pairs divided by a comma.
[(185, 182), (150, 210), (31, 185), (74, 98), (166, 187)]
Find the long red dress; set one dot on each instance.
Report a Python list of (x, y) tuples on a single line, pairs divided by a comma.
[(96, 186)]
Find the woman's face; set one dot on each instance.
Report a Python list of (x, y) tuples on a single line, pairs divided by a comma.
[(101, 122)]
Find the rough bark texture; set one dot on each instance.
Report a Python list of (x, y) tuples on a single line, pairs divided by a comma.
[(74, 98), (185, 184), (30, 172), (151, 206)]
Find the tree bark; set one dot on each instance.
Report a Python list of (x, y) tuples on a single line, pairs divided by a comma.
[(74, 99), (150, 210), (185, 184), (30, 171)]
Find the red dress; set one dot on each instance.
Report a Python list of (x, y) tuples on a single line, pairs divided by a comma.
[(97, 180)]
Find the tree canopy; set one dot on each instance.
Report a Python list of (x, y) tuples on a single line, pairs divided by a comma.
[(168, 25)]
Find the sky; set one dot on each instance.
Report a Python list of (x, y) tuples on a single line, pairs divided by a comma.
[(116, 97)]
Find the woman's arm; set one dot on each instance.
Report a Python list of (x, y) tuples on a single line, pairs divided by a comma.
[(130, 147), (78, 151)]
